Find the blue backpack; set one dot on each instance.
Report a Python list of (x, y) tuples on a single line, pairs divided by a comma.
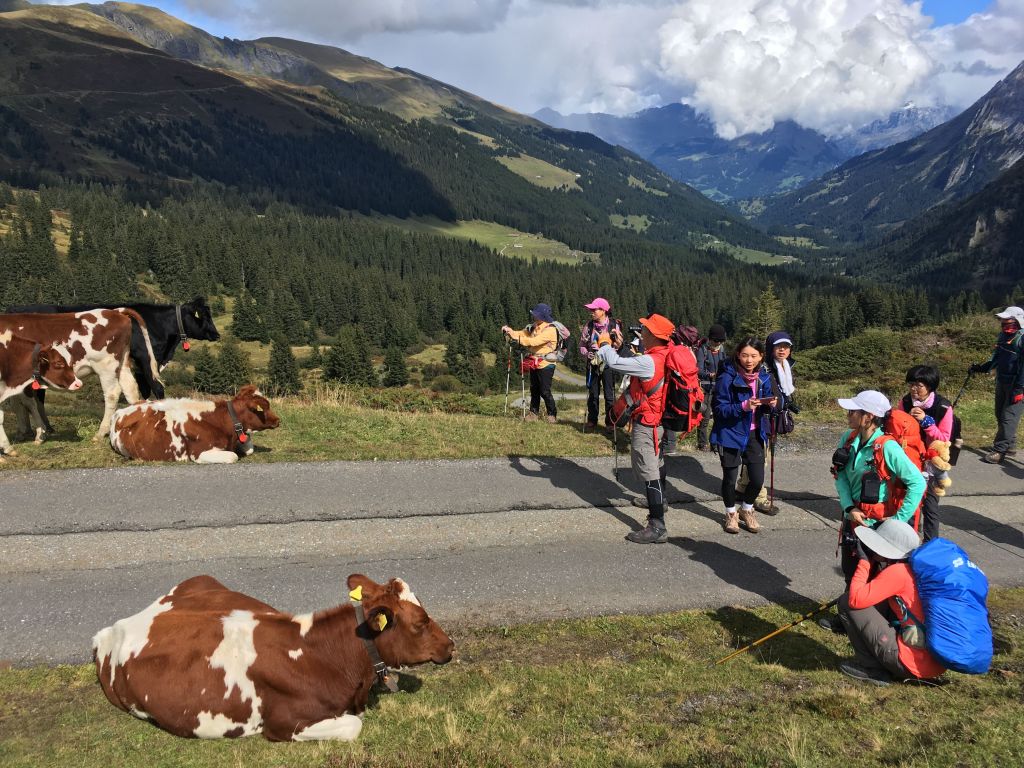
[(953, 592)]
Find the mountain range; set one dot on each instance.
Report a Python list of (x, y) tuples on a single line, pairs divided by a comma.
[(876, 192), (126, 93), (683, 143)]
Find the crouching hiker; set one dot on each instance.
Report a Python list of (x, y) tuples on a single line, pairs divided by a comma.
[(883, 652), (744, 400), (642, 405), (539, 339), (868, 466)]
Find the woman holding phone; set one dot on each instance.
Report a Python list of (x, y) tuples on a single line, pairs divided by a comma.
[(744, 398)]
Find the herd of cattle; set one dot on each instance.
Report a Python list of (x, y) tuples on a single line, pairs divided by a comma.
[(52, 346), (205, 661)]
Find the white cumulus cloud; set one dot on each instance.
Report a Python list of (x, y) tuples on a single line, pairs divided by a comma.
[(825, 64)]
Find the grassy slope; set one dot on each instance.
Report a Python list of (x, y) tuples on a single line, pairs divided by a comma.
[(623, 691)]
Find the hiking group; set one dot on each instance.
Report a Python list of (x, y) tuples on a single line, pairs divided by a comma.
[(914, 604)]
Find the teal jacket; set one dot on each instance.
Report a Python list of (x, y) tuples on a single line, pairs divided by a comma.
[(861, 460)]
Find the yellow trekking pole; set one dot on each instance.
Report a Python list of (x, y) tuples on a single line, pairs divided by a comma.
[(805, 617)]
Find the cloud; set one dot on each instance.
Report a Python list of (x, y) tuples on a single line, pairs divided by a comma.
[(824, 64)]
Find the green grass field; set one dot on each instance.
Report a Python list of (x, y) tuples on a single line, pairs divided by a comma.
[(539, 172), (636, 223), (631, 691), (505, 240)]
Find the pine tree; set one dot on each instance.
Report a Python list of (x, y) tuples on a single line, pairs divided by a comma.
[(206, 371), (233, 363), (246, 323), (765, 316), (283, 373), (396, 374)]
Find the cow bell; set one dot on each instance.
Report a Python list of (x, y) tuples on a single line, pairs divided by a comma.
[(186, 346), (243, 438), (36, 385)]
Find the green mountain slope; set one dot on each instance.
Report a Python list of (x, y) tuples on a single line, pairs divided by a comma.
[(878, 191), (971, 245), (83, 99)]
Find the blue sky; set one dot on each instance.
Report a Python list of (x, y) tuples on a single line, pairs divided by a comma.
[(953, 11)]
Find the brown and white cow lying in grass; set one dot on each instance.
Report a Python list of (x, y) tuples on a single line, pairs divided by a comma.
[(204, 661), (204, 431), (24, 362)]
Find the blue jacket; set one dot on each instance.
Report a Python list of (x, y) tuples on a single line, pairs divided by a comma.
[(732, 423), (1006, 359)]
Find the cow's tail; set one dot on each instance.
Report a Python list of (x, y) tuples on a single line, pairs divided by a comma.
[(153, 374)]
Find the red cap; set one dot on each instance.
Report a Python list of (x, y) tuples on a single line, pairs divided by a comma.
[(659, 326)]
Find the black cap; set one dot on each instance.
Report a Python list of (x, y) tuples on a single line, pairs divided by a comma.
[(716, 333)]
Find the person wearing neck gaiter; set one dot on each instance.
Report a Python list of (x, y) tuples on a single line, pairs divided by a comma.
[(935, 415), (744, 399), (1008, 362)]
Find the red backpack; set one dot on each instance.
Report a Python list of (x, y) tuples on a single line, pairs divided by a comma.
[(684, 397)]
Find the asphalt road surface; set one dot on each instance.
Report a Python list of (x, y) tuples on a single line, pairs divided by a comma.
[(495, 541)]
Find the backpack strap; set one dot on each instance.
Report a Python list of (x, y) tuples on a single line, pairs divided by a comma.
[(907, 613)]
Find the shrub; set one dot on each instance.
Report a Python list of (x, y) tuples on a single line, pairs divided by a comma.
[(446, 383)]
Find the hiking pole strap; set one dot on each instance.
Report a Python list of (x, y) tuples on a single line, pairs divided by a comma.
[(805, 617)]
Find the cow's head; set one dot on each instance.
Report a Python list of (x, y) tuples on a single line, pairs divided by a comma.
[(197, 320), (409, 635), (56, 368), (253, 410)]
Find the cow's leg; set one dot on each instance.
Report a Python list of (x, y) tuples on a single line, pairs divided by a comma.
[(5, 444), (111, 394), (129, 385), (31, 416), (217, 456), (344, 728)]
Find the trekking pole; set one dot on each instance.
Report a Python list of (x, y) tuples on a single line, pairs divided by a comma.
[(771, 450), (962, 389), (615, 450), (508, 376), (522, 379), (805, 617)]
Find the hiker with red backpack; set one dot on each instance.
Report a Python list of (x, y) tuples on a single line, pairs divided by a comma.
[(883, 652), (540, 340), (744, 402), (641, 408), (875, 477), (599, 376), (935, 415)]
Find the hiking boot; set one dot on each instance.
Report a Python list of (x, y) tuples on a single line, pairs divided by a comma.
[(732, 522), (871, 676), (996, 457), (652, 533), (766, 508), (748, 521), (531, 416), (703, 448), (551, 419), (673, 452), (590, 425), (833, 624)]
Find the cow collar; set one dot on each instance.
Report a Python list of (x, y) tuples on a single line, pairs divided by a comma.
[(181, 328), (240, 434), (380, 669), (37, 378)]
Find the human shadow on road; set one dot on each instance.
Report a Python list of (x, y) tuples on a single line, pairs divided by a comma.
[(994, 530), (593, 489), (793, 650)]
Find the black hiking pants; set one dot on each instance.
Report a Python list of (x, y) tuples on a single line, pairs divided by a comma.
[(540, 389)]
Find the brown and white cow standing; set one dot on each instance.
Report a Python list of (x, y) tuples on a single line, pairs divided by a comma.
[(205, 661), (99, 342), (23, 362), (204, 431)]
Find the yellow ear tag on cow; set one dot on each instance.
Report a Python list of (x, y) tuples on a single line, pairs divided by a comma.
[(357, 593), (382, 621)]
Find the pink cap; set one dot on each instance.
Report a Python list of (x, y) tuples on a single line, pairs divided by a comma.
[(599, 303)]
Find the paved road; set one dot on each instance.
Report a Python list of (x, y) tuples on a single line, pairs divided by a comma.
[(495, 541)]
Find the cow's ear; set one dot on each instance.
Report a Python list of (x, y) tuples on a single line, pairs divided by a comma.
[(247, 391), (370, 587), (380, 619), (199, 301)]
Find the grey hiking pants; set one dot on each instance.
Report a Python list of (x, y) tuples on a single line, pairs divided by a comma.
[(872, 637), (1007, 417), (647, 463)]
